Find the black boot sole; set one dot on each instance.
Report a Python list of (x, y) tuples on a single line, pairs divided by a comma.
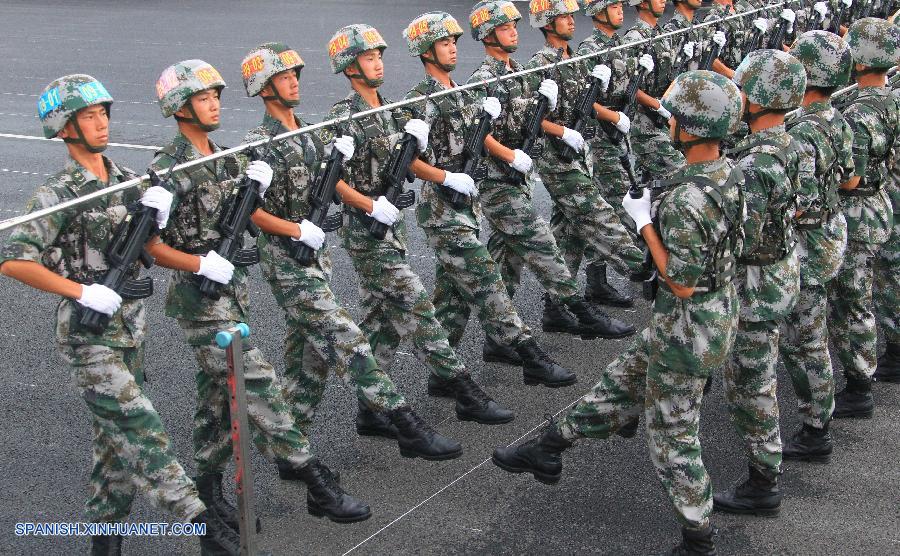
[(482, 421), (316, 511), (533, 381), (410, 453), (375, 433), (540, 477), (810, 458), (588, 335), (865, 414)]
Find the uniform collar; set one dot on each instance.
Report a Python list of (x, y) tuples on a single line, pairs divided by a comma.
[(706, 167), (498, 67), (83, 176)]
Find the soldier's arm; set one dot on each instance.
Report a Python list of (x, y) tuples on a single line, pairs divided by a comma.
[(498, 150), (272, 225), (646, 100), (427, 172), (661, 259), (169, 257), (40, 277), (861, 142), (719, 67), (353, 198)]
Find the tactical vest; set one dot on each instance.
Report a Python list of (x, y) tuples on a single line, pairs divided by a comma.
[(866, 188), (295, 159), (828, 181), (374, 151)]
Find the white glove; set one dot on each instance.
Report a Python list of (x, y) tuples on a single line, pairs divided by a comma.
[(761, 24), (688, 49), (638, 209), (821, 8), (573, 139), (345, 145), (603, 73), (215, 267), (521, 162), (491, 105), (549, 89), (310, 234), (624, 123), (646, 62), (847, 3), (787, 14), (384, 211), (663, 112), (100, 298), (462, 183), (418, 129), (720, 38), (260, 172), (157, 197)]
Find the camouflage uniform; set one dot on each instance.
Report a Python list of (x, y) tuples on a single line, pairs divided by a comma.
[(887, 266), (736, 30), (321, 334), (681, 63), (192, 228), (131, 450)]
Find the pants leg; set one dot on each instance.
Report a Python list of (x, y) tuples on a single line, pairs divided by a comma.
[(852, 319), (450, 309), (887, 297), (570, 244)]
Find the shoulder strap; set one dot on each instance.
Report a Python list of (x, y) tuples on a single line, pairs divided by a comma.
[(780, 153)]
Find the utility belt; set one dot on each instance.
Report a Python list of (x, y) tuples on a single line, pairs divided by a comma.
[(814, 219), (765, 256)]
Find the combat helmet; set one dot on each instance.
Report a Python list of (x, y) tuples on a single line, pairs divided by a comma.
[(351, 41), (703, 103), (874, 42), (266, 61), (825, 56), (542, 12), (593, 8), (772, 79), (637, 4), (487, 15), (179, 82), (428, 29), (63, 98)]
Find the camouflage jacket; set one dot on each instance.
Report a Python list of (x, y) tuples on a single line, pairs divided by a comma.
[(699, 37), (691, 333), (517, 98), (768, 273), (374, 136), (72, 243), (736, 32), (825, 142), (294, 164), (875, 118), (193, 228), (603, 150), (891, 250), (572, 81), (452, 118), (662, 51)]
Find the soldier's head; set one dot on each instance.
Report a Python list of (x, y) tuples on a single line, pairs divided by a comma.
[(827, 60), (875, 45), (190, 91), (356, 51), (432, 37), (272, 72), (554, 17), (705, 106), (605, 12), (772, 82), (654, 7), (691, 5), (76, 109), (493, 22)]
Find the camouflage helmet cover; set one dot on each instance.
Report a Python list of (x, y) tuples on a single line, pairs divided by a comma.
[(825, 56), (264, 62), (178, 82), (704, 103), (487, 15), (542, 12), (351, 41), (63, 97), (594, 7), (428, 29), (772, 79), (874, 42)]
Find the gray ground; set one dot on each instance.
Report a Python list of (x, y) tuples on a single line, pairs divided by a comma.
[(609, 501)]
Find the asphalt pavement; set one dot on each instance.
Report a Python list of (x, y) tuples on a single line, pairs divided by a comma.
[(609, 501)]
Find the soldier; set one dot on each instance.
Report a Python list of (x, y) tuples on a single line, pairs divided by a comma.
[(692, 239), (64, 254), (736, 31), (190, 92), (873, 115), (585, 218), (825, 142), (768, 280), (466, 275), (691, 44)]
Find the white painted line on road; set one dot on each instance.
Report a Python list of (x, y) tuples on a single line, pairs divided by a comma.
[(38, 138), (7, 170)]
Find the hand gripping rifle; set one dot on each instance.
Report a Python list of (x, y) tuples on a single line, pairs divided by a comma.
[(473, 152), (125, 249), (838, 17), (776, 41), (649, 274), (234, 220), (711, 53), (628, 108), (532, 128), (583, 115), (755, 43), (398, 171)]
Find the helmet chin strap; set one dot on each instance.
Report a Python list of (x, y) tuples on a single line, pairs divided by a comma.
[(749, 117), (80, 140), (435, 61), (195, 120), (374, 83), (649, 8), (509, 49), (683, 146), (607, 21), (277, 96)]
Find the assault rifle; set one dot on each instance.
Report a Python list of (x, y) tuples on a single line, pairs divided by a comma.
[(583, 115), (838, 17), (649, 273), (755, 43), (473, 152), (710, 54), (628, 108), (776, 41), (395, 175), (125, 249)]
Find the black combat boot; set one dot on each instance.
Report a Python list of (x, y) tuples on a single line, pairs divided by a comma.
[(106, 545), (540, 368), (695, 542), (629, 429), (492, 352), (541, 456), (417, 439), (373, 423), (855, 400), (758, 495), (286, 472), (557, 318), (599, 291), (889, 364), (597, 324), (472, 403), (809, 444), (326, 498), (220, 539)]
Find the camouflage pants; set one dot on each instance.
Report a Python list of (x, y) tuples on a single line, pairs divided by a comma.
[(396, 306), (131, 450), (466, 276), (653, 150), (586, 220), (887, 272), (804, 352), (273, 429), (519, 236), (852, 322), (750, 389)]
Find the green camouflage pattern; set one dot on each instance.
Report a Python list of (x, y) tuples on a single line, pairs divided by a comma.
[(487, 15), (825, 56), (351, 41), (543, 12), (852, 319), (704, 103), (63, 97), (72, 243), (594, 7), (737, 30), (771, 79), (178, 82), (131, 451), (698, 36), (264, 62), (428, 29), (874, 42), (887, 273)]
